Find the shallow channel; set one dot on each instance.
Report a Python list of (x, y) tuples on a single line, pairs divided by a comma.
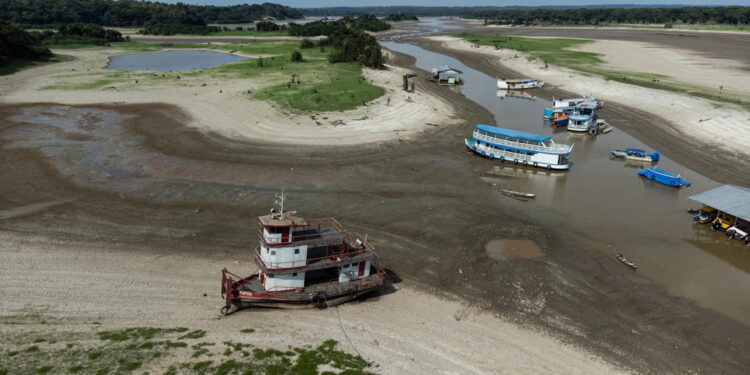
[(604, 200)]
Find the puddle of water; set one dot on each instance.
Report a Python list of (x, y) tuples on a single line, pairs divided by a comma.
[(604, 199), (172, 60), (524, 249)]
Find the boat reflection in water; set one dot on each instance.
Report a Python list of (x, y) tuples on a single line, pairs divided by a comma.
[(720, 245), (546, 185), (502, 94)]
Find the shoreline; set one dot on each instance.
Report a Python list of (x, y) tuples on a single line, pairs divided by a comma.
[(221, 105), (639, 111)]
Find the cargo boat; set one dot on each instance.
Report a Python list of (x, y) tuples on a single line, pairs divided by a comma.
[(303, 263)]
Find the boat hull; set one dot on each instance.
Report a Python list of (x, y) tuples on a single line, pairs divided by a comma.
[(474, 147), (662, 178), (505, 85)]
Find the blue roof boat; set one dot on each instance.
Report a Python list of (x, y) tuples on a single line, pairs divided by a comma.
[(663, 177), (519, 147)]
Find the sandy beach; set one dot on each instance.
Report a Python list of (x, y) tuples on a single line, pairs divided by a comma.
[(713, 125), (408, 331), (222, 106)]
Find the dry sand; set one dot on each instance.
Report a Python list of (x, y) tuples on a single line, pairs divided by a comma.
[(712, 124), (680, 65), (408, 331), (222, 106)]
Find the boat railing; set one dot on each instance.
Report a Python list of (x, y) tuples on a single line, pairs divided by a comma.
[(333, 232), (555, 148), (361, 247), (509, 154)]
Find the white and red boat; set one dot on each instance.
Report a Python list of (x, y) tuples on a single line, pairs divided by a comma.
[(301, 263)]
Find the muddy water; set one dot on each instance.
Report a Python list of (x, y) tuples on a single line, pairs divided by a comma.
[(603, 199)]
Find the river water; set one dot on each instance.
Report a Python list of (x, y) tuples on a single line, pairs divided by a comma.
[(603, 200)]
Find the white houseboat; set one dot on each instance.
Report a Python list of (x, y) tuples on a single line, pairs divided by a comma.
[(518, 84), (581, 122), (519, 147), (303, 263), (586, 101)]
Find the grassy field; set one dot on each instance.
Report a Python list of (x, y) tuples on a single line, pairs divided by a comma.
[(312, 85), (35, 345), (557, 52), (745, 28), (251, 33)]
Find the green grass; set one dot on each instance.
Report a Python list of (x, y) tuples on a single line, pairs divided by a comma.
[(557, 52), (251, 33), (131, 351), (745, 28), (319, 86)]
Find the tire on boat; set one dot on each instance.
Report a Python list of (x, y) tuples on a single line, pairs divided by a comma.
[(549, 167), (592, 131), (535, 164), (319, 301), (502, 158), (225, 310)]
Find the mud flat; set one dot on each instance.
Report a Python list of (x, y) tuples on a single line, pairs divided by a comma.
[(102, 198), (222, 106)]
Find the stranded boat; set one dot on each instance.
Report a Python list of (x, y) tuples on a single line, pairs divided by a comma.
[(519, 147), (303, 263), (663, 177), (518, 84), (517, 193), (636, 154), (627, 261)]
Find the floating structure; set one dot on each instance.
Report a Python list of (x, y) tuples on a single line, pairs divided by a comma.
[(727, 208), (518, 84), (586, 101), (446, 75), (636, 154), (303, 263), (519, 147), (663, 177)]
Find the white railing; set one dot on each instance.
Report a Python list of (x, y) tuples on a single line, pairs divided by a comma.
[(523, 146), (504, 153)]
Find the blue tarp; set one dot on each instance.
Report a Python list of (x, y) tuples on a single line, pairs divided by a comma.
[(512, 133)]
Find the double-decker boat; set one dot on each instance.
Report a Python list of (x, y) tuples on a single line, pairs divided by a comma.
[(303, 263), (519, 147), (586, 101), (518, 84), (581, 122)]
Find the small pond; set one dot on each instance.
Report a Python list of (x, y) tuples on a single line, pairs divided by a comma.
[(172, 60)]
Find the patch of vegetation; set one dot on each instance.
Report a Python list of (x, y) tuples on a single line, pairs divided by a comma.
[(81, 34), (196, 334), (136, 333), (557, 52), (17, 45), (250, 33), (395, 17), (248, 330)]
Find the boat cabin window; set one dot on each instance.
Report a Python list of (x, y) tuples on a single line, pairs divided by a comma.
[(273, 252), (296, 251), (276, 230)]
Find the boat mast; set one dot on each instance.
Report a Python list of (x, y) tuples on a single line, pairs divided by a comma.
[(280, 201)]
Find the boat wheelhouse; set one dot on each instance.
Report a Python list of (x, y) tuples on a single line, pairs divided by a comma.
[(519, 147), (518, 84), (581, 122), (587, 101), (663, 177), (302, 263)]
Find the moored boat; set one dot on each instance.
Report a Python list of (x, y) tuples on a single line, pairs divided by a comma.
[(518, 84), (636, 154), (663, 177), (303, 263), (519, 147), (518, 193), (581, 122), (588, 101)]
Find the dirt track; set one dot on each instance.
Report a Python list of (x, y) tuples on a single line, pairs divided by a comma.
[(178, 192)]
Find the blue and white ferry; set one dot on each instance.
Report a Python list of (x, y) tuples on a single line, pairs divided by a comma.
[(519, 147)]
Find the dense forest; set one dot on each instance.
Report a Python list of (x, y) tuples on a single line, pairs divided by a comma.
[(458, 11), (689, 15), (132, 13), (364, 22), (18, 44), (81, 33), (401, 17)]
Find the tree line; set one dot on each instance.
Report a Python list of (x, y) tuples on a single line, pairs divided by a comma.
[(395, 17), (733, 15), (19, 44), (455, 11), (132, 13), (364, 22)]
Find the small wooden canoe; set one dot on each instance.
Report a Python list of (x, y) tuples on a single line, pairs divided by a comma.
[(518, 194), (627, 261)]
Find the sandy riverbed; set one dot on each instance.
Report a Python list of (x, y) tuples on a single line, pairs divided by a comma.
[(222, 106), (711, 124), (408, 331)]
